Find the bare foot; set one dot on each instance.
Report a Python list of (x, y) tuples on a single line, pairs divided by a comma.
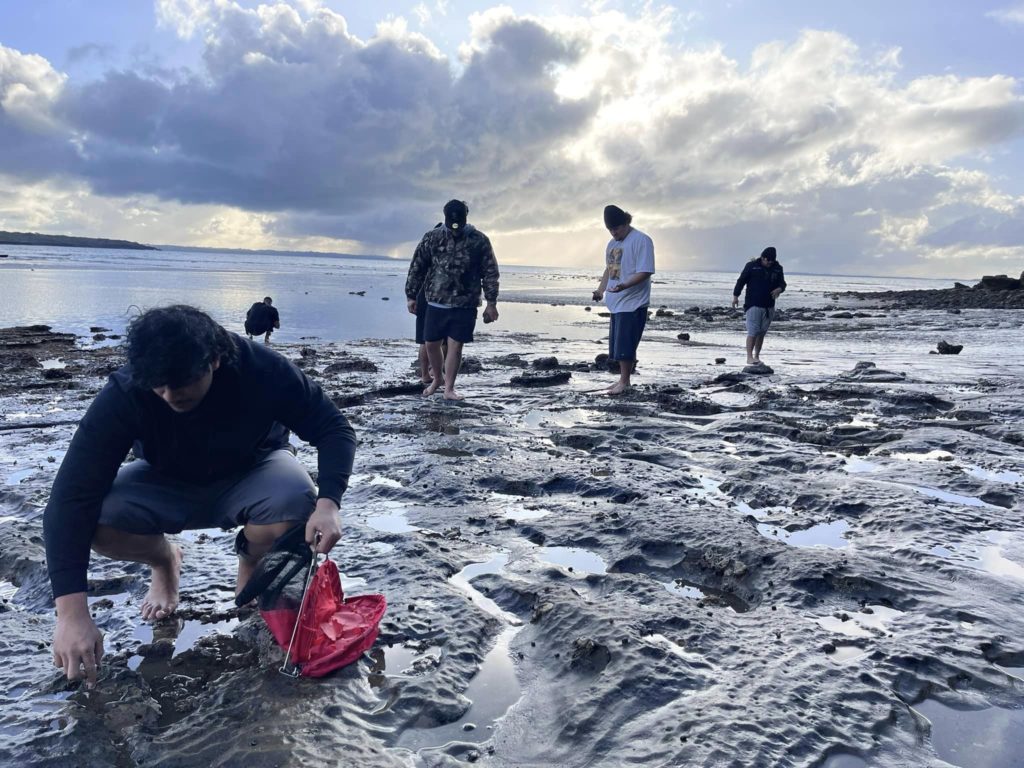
[(162, 598), (434, 385), (451, 394), (426, 380), (751, 361), (616, 389)]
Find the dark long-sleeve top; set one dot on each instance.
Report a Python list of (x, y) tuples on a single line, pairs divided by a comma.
[(247, 413), (453, 270), (760, 282)]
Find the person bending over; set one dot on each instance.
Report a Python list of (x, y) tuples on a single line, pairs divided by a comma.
[(764, 280), (207, 415), (262, 317)]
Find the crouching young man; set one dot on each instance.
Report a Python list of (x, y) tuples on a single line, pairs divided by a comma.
[(207, 415)]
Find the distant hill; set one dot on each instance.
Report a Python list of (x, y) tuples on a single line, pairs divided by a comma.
[(34, 238), (265, 251)]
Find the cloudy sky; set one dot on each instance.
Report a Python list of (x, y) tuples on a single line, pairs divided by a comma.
[(875, 137)]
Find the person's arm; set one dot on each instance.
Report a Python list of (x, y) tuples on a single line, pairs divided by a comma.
[(743, 279), (782, 283), (599, 293), (417, 273), (97, 449), (489, 278), (277, 317), (305, 409), (635, 279)]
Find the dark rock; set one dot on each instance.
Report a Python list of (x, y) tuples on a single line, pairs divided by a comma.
[(589, 655), (541, 379), (545, 363), (999, 283), (52, 374), (949, 349), (683, 337), (842, 316), (99, 337), (97, 329), (352, 364), (719, 361), (953, 311), (758, 369), (664, 313)]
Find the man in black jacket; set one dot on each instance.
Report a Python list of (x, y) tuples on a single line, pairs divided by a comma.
[(764, 280), (207, 415), (262, 317)]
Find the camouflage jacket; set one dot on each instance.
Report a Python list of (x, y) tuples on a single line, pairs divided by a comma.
[(454, 270)]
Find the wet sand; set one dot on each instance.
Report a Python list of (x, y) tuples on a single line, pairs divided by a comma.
[(807, 568)]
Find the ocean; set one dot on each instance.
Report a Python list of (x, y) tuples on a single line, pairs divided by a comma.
[(73, 289)]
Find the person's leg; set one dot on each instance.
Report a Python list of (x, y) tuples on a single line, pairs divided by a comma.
[(436, 363), (424, 364), (758, 343), (154, 550), (626, 334), (750, 349), (139, 509), (452, 361), (625, 370), (269, 499)]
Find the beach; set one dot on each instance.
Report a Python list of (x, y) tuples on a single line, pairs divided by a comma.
[(818, 566)]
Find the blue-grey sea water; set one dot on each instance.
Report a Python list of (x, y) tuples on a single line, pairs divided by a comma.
[(72, 289)]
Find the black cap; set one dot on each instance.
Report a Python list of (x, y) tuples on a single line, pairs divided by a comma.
[(614, 216), (455, 213), (768, 253)]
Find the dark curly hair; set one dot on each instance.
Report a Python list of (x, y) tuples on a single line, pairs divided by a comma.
[(173, 346)]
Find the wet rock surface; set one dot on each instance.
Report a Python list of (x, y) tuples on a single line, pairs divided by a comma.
[(799, 561)]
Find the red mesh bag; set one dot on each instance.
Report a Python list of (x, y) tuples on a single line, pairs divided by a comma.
[(332, 631)]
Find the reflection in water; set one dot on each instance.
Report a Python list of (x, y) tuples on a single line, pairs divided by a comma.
[(983, 738), (832, 535), (573, 558)]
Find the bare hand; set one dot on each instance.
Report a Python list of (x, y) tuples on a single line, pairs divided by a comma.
[(411, 303), (735, 301), (325, 520), (776, 292), (598, 295), (490, 313), (77, 645), (616, 288)]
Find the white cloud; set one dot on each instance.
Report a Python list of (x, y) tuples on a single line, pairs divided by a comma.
[(1014, 14), (297, 131)]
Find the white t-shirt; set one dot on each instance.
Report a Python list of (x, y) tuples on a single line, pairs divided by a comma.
[(624, 259)]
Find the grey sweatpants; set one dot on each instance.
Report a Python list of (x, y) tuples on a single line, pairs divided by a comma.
[(274, 490)]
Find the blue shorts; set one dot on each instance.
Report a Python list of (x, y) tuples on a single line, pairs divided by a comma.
[(758, 319), (456, 323), (276, 489), (625, 332)]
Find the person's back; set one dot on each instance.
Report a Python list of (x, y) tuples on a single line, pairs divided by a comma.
[(262, 317)]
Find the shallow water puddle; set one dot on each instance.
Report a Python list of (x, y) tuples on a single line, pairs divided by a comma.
[(861, 623), (14, 478), (187, 635), (461, 580), (573, 559), (394, 661), (520, 512), (1017, 672), (493, 690), (571, 417), (674, 648), (935, 455), (953, 498), (844, 761), (52, 363), (831, 535), (396, 523), (994, 475), (845, 653), (981, 738), (991, 558), (856, 466), (694, 591), (7, 590)]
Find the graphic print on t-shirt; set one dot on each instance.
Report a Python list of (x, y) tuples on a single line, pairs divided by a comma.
[(615, 263)]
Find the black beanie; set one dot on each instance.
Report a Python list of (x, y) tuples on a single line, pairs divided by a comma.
[(768, 253), (455, 213), (614, 216)]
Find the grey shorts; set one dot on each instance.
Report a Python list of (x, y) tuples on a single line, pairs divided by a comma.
[(141, 500), (758, 319)]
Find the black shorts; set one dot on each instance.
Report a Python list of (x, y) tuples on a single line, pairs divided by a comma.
[(625, 332), (456, 323)]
